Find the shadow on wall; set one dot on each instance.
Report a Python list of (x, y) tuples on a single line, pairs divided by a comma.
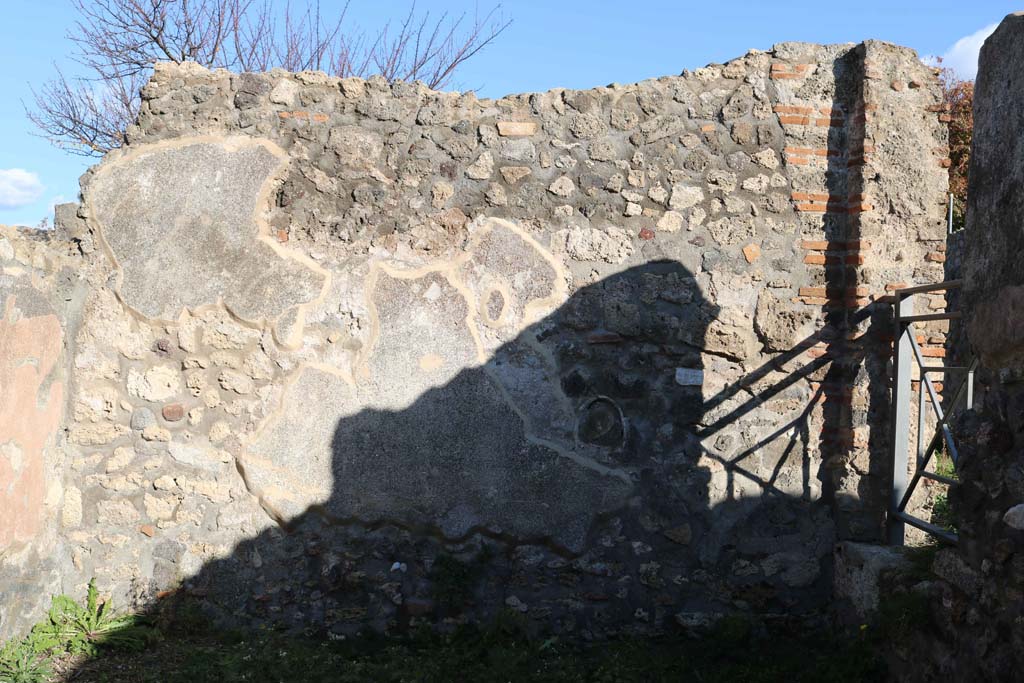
[(583, 474)]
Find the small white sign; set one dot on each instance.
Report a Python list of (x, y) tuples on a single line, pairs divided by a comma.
[(689, 377)]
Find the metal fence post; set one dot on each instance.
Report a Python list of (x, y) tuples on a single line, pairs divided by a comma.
[(949, 227), (900, 432), (970, 389)]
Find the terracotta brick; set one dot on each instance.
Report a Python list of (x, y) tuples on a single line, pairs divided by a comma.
[(809, 151), (791, 109), (834, 207), (810, 196)]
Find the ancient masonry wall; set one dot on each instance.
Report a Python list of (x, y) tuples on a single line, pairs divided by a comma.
[(343, 354), (975, 628)]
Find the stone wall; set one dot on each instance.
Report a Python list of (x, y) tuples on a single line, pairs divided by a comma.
[(37, 293), (976, 630), (354, 354)]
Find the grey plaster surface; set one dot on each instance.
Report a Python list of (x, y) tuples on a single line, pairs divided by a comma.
[(181, 221), (423, 436)]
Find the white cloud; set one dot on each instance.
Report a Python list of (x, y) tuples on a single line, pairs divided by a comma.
[(18, 188), (962, 56)]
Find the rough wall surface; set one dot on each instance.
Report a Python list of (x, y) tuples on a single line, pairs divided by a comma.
[(356, 354), (977, 604), (33, 389)]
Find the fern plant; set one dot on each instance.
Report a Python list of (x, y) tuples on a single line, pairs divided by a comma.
[(77, 629)]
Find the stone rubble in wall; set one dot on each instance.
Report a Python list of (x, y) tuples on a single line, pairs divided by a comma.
[(692, 169)]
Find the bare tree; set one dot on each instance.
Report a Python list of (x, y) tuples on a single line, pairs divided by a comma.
[(958, 95), (118, 41)]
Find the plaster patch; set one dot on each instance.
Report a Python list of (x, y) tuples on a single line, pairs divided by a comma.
[(428, 433), (183, 222), (30, 411)]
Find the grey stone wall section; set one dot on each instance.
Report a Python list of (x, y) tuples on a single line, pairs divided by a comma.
[(599, 349), (994, 278), (975, 629)]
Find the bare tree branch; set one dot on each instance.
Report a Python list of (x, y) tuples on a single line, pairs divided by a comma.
[(118, 41)]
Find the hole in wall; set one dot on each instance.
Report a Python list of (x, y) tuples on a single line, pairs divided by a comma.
[(601, 423)]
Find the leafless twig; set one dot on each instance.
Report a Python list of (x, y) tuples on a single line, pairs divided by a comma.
[(118, 41)]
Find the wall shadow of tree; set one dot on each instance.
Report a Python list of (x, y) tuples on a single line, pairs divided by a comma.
[(703, 529)]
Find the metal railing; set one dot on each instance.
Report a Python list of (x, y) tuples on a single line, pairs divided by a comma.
[(906, 353)]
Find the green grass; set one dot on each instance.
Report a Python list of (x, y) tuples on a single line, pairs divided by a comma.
[(736, 650), (944, 464), (942, 512), (88, 642)]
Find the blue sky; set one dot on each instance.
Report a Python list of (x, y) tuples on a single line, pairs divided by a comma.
[(553, 43)]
